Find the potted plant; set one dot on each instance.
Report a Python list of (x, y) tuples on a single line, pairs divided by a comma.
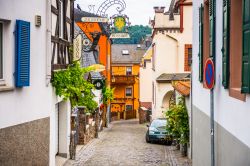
[(178, 126)]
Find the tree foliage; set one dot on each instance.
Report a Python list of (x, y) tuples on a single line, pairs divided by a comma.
[(177, 118), (71, 85), (137, 33)]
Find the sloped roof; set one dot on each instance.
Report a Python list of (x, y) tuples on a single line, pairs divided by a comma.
[(78, 14), (173, 77), (134, 57), (183, 87), (88, 59), (148, 54)]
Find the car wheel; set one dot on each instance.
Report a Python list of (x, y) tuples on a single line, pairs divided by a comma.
[(147, 138), (169, 143)]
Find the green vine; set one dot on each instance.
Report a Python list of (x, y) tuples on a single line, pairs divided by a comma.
[(108, 94), (177, 118), (71, 85)]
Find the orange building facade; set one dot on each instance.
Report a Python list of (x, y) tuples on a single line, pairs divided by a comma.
[(125, 70), (99, 36)]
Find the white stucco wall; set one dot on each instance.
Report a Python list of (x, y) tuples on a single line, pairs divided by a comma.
[(25, 104), (37, 101), (169, 52), (146, 83), (64, 127), (161, 89), (230, 113)]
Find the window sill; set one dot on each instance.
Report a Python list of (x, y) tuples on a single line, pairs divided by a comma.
[(236, 93), (4, 88)]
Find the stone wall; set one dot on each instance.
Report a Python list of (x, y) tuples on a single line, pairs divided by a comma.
[(25, 144), (87, 128)]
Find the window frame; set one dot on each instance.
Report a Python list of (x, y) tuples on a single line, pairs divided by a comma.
[(190, 56), (128, 105), (153, 56), (129, 67), (131, 92), (2, 80)]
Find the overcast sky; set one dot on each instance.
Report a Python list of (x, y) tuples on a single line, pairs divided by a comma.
[(138, 11)]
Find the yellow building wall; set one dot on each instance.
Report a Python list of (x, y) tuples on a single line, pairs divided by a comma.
[(120, 88)]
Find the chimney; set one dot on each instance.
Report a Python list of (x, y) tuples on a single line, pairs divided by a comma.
[(159, 9)]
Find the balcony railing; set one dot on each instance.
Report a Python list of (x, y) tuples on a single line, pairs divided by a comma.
[(123, 79)]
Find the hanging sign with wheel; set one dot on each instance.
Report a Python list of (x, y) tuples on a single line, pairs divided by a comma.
[(98, 84), (209, 74)]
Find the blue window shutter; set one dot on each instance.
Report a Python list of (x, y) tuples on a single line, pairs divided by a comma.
[(22, 72)]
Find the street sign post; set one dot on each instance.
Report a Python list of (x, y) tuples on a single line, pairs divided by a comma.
[(209, 73), (209, 77)]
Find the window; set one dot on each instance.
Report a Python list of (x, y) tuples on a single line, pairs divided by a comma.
[(125, 52), (188, 57), (153, 57), (236, 49), (226, 41), (245, 86), (129, 107), (201, 20), (128, 71), (144, 64), (128, 92), (1, 51), (206, 34), (22, 68), (61, 19), (153, 92)]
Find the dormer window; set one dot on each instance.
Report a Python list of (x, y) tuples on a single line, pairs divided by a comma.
[(125, 52)]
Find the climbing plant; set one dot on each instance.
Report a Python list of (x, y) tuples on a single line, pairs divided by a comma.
[(108, 94), (71, 85), (177, 118)]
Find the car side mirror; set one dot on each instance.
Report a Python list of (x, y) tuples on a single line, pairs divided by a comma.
[(147, 125)]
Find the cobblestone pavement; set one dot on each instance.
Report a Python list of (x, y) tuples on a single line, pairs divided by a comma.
[(123, 144)]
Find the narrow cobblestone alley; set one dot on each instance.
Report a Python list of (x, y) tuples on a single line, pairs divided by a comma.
[(123, 143)]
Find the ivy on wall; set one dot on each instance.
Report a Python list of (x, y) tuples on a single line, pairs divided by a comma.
[(71, 85)]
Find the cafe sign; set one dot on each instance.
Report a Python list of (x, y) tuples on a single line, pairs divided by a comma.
[(95, 19)]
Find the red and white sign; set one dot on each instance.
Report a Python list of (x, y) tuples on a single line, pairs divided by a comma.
[(209, 74)]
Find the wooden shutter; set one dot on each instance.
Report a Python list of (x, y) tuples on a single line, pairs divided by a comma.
[(22, 71), (201, 10), (212, 28), (226, 41), (246, 48)]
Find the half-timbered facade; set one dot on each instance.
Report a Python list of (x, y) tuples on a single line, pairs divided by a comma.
[(61, 33)]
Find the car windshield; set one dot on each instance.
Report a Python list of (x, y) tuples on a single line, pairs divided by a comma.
[(158, 123)]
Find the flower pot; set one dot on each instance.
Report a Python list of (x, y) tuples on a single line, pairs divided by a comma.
[(177, 146), (90, 120), (183, 149)]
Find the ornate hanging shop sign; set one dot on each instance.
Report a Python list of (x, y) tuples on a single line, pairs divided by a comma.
[(77, 49), (119, 26)]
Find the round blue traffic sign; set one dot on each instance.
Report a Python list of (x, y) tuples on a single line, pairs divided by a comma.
[(209, 73)]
